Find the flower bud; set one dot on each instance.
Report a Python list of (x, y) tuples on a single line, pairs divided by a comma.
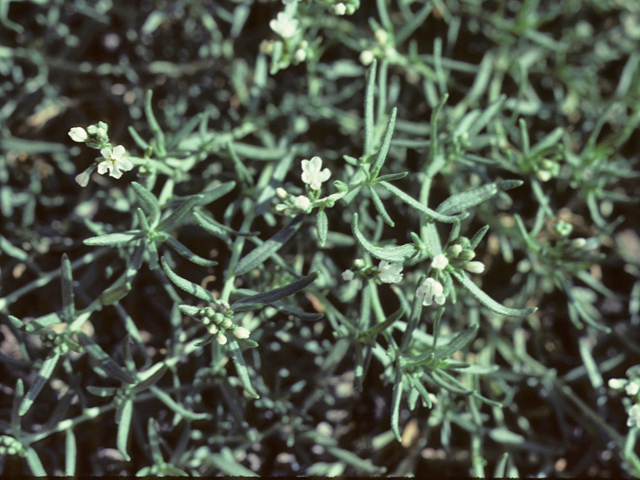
[(221, 339), (474, 267), (241, 333), (78, 134)]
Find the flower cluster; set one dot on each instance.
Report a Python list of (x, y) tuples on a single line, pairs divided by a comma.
[(631, 387), (219, 325), (460, 255), (386, 272), (112, 161)]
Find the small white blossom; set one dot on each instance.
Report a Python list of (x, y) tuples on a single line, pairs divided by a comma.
[(366, 57), (312, 174), (439, 262), (348, 275), (302, 203), (431, 290), (340, 9), (284, 25), (241, 333), (114, 162), (634, 416), (390, 272), (78, 134), (474, 267)]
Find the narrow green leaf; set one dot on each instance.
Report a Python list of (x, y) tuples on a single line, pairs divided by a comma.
[(369, 121), (258, 255), (390, 177), (377, 202), (241, 367), (396, 398), (150, 376), (386, 142), (34, 463), (477, 237), (431, 214), (71, 453), (185, 130), (188, 254), (465, 200), (154, 125), (44, 374), (265, 298), (39, 323), (103, 359), (487, 301), (322, 224), (142, 143), (148, 202), (177, 407), (18, 395), (457, 343), (355, 461), (174, 220), (502, 435), (187, 286), (226, 463), (211, 194), (114, 239), (102, 392), (397, 254), (66, 277), (211, 226), (372, 332), (123, 418), (116, 292)]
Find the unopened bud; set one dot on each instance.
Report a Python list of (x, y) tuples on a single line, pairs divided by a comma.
[(474, 267)]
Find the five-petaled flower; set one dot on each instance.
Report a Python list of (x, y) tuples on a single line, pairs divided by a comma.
[(390, 272), (431, 290), (284, 25), (114, 162), (312, 173)]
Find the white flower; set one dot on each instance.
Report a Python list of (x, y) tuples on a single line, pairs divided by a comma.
[(431, 290), (78, 134), (474, 267), (439, 262), (114, 162), (390, 272), (241, 333), (311, 173), (634, 416), (302, 203), (348, 275), (340, 9), (284, 25)]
